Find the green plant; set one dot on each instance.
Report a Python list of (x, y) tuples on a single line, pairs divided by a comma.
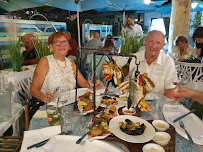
[(131, 44), (42, 49), (15, 55), (197, 21)]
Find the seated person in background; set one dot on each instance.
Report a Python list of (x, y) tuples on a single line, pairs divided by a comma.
[(158, 66), (89, 62), (73, 47), (198, 39), (29, 55), (95, 42), (54, 71), (131, 29), (182, 51)]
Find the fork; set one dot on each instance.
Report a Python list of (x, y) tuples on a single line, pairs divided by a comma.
[(81, 138), (183, 126)]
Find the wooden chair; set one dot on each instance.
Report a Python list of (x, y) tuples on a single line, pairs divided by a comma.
[(13, 143)]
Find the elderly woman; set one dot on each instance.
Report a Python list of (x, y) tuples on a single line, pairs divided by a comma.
[(54, 71), (182, 50)]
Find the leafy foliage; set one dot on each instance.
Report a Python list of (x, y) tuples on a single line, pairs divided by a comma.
[(42, 49), (15, 55), (131, 44), (197, 21)]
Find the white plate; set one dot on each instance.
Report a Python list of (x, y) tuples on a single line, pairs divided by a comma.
[(192, 123), (67, 143), (69, 96), (121, 103), (115, 129), (96, 137)]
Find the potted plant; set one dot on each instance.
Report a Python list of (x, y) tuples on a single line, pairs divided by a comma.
[(42, 49), (131, 44), (15, 55)]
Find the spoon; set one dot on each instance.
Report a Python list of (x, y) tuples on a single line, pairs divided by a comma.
[(81, 138)]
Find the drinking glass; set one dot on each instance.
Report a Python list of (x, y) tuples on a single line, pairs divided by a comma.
[(54, 115), (91, 78), (5, 102)]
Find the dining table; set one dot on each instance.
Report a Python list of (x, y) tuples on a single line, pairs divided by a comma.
[(13, 119), (163, 108)]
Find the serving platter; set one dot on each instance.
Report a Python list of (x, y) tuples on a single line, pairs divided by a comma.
[(146, 136)]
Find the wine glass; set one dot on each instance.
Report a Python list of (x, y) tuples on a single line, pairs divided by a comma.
[(91, 78)]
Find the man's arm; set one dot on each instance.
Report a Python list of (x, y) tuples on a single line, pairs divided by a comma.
[(31, 61), (169, 93)]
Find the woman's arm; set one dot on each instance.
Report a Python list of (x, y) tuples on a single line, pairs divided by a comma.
[(38, 79), (82, 81)]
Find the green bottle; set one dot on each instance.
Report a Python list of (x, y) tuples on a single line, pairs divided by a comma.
[(191, 57), (125, 68)]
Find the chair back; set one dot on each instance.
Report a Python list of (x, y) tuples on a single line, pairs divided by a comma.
[(192, 73), (21, 85)]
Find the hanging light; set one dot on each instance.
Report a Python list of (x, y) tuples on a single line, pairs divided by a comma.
[(147, 2), (194, 4)]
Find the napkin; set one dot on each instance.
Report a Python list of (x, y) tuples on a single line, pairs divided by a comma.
[(35, 136)]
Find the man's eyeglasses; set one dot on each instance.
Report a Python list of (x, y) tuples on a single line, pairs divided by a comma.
[(63, 43)]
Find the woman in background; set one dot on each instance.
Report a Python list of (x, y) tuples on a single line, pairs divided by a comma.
[(182, 50)]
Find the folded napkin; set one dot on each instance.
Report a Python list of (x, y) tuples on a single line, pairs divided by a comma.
[(35, 136)]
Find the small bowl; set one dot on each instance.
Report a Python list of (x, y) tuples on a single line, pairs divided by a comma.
[(152, 147), (130, 111), (160, 125), (162, 138)]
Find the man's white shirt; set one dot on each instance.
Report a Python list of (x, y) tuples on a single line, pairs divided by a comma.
[(162, 71)]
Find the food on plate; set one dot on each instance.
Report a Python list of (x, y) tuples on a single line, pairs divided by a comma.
[(132, 128), (86, 101), (130, 111), (102, 120), (88, 95), (96, 131), (138, 88), (26, 69), (109, 100), (112, 109), (112, 70)]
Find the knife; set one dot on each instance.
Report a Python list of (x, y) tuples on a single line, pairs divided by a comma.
[(181, 117), (41, 143)]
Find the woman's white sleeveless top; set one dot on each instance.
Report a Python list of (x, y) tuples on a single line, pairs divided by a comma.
[(58, 77)]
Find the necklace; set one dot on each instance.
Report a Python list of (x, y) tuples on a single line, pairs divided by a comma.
[(61, 67)]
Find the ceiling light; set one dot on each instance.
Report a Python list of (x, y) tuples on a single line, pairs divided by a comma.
[(194, 4), (147, 2)]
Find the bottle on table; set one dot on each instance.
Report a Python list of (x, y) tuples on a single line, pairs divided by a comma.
[(126, 67)]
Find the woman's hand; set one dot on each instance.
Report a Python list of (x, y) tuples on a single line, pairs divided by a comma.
[(99, 84), (48, 97)]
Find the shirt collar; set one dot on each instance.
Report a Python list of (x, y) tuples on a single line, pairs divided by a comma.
[(158, 60)]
